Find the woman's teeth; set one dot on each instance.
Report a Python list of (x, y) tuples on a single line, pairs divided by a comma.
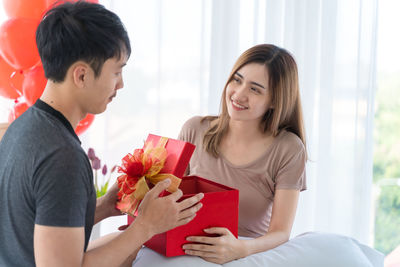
[(238, 105)]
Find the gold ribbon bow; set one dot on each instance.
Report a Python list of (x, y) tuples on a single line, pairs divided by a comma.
[(139, 169)]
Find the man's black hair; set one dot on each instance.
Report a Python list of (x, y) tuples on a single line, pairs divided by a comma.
[(79, 31)]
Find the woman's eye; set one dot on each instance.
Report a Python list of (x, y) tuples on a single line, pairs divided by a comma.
[(255, 90)]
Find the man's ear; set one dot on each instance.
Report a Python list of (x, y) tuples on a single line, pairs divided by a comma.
[(80, 72)]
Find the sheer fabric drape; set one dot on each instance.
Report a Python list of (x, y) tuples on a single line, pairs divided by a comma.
[(182, 52)]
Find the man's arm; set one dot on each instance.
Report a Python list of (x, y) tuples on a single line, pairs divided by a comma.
[(63, 246)]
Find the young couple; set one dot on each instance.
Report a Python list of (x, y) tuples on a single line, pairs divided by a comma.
[(48, 202)]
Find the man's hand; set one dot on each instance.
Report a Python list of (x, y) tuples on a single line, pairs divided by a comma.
[(105, 205), (160, 214)]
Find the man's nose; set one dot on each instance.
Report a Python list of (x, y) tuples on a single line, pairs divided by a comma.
[(120, 84)]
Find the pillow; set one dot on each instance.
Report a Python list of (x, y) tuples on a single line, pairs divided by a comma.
[(306, 250), (315, 249)]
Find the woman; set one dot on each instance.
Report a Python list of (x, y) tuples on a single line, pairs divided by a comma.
[(257, 145)]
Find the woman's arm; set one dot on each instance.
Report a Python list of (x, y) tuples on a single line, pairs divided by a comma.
[(226, 247), (283, 214)]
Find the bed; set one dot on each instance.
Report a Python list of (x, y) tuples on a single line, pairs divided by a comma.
[(305, 250)]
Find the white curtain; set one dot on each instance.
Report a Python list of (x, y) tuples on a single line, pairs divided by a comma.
[(182, 52)]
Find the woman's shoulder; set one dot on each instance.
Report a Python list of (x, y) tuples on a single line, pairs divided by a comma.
[(289, 141), (192, 129), (196, 123)]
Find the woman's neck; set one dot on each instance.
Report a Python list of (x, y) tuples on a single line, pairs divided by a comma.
[(244, 142), (245, 131)]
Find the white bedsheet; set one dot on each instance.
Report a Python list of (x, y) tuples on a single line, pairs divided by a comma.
[(306, 250)]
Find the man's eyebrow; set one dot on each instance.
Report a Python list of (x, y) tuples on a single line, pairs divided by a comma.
[(257, 84)]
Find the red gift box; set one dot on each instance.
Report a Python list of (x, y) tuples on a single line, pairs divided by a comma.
[(220, 203), (179, 154)]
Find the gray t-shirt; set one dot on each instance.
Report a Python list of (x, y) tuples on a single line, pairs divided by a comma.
[(282, 166), (45, 179)]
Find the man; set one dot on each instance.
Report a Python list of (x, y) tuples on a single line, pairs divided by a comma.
[(48, 202)]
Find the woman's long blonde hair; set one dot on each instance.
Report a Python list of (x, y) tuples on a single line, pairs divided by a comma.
[(285, 96)]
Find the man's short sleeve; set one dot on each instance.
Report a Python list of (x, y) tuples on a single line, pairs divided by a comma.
[(61, 189)]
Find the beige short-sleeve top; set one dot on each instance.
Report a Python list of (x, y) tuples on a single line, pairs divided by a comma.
[(281, 167)]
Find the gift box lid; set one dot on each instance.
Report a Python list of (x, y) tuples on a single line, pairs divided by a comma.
[(179, 154)]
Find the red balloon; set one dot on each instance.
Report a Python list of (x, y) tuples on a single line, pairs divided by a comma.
[(18, 43), (25, 8), (7, 89), (17, 78), (18, 109), (34, 84), (50, 3), (84, 124)]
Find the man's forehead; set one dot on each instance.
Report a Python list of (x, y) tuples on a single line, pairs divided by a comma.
[(118, 61)]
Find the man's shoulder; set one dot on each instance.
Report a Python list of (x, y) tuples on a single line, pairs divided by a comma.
[(37, 137), (37, 127)]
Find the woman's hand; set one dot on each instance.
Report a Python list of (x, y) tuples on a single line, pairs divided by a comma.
[(224, 248)]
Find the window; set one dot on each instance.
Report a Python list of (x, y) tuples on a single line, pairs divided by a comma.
[(387, 131)]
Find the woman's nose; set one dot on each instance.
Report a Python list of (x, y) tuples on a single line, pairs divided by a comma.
[(241, 92)]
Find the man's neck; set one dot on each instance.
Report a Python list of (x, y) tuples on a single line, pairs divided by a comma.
[(61, 99)]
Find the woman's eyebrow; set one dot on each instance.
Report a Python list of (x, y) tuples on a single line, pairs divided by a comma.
[(238, 74), (241, 76)]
